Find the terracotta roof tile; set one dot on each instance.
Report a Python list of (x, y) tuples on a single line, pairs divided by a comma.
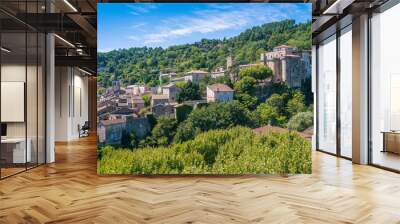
[(218, 87)]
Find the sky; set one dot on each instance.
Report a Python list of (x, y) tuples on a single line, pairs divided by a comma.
[(126, 25)]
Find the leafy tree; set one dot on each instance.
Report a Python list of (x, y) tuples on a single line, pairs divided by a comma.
[(182, 112), (268, 114), (295, 104), (245, 85), (278, 102), (258, 72), (301, 121), (247, 100), (214, 116), (189, 91), (278, 88), (186, 130), (147, 100), (128, 140), (164, 131)]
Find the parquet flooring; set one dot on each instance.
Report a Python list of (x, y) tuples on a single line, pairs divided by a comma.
[(69, 191)]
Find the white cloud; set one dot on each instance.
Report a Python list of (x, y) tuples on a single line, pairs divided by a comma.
[(216, 18), (141, 8), (105, 50), (134, 38), (138, 25)]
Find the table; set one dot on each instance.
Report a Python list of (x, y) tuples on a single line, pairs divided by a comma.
[(391, 141)]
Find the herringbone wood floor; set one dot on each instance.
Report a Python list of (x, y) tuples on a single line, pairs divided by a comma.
[(69, 191)]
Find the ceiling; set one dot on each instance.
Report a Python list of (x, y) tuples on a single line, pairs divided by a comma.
[(328, 13), (73, 21)]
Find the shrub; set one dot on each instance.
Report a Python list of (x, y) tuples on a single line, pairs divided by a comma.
[(301, 121), (258, 72), (234, 151)]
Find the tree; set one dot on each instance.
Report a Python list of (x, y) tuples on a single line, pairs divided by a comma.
[(164, 131), (295, 104), (247, 100), (189, 91), (186, 131), (147, 99), (214, 116), (301, 121), (278, 102), (268, 114), (278, 88), (245, 85), (258, 72), (128, 140), (182, 112)]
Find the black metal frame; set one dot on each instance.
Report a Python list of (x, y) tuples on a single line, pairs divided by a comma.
[(44, 80)]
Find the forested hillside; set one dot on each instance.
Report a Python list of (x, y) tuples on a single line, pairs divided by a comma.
[(142, 65)]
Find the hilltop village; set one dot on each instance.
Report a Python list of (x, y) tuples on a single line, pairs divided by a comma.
[(133, 108)]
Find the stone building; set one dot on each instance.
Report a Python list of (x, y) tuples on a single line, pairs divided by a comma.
[(218, 72), (111, 131), (137, 103), (159, 99), (219, 93), (164, 110), (288, 65), (170, 90), (195, 76)]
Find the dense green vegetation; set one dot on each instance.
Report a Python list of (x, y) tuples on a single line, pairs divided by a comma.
[(143, 65), (279, 108), (259, 72), (234, 151), (188, 91), (214, 116), (301, 121)]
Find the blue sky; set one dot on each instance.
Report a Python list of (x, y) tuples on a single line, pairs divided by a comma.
[(125, 25)]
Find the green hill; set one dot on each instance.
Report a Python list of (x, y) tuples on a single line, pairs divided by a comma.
[(142, 65)]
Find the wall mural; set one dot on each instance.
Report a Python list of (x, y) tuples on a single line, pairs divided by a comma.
[(204, 88)]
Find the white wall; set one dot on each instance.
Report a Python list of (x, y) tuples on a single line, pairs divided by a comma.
[(71, 103)]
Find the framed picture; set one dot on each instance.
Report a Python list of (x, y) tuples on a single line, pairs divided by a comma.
[(192, 88)]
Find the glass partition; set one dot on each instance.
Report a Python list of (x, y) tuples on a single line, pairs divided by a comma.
[(327, 95), (22, 101), (13, 86), (385, 89), (346, 92)]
